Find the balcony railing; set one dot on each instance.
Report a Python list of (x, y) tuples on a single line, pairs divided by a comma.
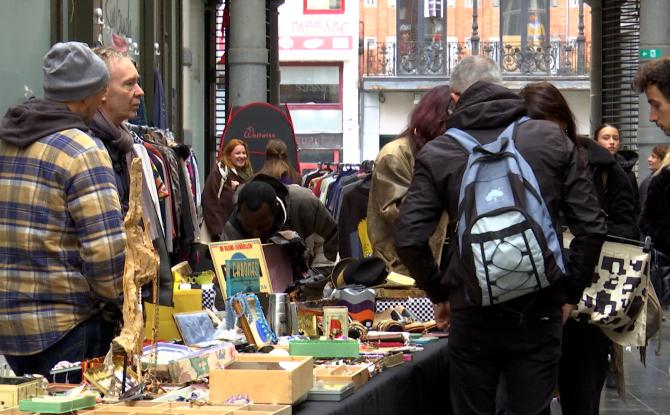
[(437, 59)]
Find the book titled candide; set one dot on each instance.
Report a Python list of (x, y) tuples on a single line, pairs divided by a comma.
[(240, 266)]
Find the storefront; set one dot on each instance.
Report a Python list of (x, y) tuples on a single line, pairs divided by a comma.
[(319, 73), (165, 38)]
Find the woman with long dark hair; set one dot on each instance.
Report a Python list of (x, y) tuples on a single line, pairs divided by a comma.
[(607, 135), (585, 348)]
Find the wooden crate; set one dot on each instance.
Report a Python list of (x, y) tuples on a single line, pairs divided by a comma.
[(15, 389), (263, 378), (358, 374), (180, 408)]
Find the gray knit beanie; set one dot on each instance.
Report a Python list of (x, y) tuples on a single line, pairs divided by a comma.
[(73, 72)]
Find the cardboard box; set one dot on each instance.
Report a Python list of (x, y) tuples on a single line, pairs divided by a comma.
[(324, 348), (200, 363), (263, 378)]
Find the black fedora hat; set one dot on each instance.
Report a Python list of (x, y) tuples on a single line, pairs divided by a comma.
[(369, 272)]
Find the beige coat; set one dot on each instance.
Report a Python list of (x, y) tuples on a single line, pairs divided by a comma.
[(391, 178)]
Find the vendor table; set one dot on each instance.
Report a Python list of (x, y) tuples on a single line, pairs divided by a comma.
[(419, 386)]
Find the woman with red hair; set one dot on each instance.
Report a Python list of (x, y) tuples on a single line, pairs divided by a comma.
[(232, 169), (392, 175)]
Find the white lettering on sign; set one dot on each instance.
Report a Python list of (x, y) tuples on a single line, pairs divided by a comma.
[(320, 27)]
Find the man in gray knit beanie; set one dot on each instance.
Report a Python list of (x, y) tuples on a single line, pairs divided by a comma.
[(73, 72), (64, 244)]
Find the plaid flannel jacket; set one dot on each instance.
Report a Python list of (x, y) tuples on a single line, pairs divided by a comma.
[(62, 243)]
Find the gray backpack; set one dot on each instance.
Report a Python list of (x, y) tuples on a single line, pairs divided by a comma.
[(506, 238)]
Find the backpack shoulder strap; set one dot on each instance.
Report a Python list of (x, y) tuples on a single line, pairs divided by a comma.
[(469, 143), (464, 139)]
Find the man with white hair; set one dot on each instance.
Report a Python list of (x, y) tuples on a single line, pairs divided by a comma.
[(520, 338), (119, 104), (63, 249)]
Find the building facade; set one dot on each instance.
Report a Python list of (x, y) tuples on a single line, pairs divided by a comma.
[(411, 46), (166, 39), (318, 59)]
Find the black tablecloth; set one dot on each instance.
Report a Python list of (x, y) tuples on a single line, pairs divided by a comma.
[(417, 387)]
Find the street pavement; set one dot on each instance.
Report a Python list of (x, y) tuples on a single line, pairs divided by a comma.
[(647, 388)]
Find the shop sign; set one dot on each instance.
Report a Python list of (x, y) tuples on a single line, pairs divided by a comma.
[(256, 124), (319, 141), (650, 53)]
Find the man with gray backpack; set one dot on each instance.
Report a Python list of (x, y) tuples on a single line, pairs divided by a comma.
[(503, 179)]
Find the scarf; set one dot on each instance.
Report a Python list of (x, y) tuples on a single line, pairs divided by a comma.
[(117, 135)]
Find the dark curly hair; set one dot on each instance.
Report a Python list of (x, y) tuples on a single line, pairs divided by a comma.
[(656, 72), (429, 117)]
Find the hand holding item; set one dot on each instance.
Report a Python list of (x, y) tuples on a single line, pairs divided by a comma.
[(442, 315), (234, 184), (566, 311)]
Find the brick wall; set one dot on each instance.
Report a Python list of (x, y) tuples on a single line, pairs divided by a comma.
[(380, 21)]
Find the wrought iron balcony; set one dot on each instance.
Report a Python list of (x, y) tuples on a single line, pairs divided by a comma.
[(436, 59)]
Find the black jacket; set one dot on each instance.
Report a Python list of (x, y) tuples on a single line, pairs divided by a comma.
[(615, 193), (627, 160), (484, 110), (643, 189), (655, 219)]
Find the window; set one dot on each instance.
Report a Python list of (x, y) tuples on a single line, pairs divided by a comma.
[(533, 15), (310, 84), (323, 6), (495, 3), (451, 3), (574, 3), (468, 4), (421, 28), (370, 3)]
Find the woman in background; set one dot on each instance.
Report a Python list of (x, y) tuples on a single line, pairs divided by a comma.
[(392, 176), (608, 137), (654, 162), (231, 170), (585, 348), (276, 163)]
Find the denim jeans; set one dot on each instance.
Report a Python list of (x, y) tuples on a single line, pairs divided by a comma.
[(87, 340)]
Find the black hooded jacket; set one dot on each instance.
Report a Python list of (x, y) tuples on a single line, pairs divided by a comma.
[(28, 122), (655, 218), (615, 193), (627, 160), (484, 110)]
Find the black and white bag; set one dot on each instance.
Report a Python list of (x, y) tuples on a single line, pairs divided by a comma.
[(506, 238)]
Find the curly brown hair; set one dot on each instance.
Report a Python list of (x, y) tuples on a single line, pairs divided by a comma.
[(656, 72)]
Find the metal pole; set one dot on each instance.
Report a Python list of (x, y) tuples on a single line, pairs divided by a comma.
[(474, 40), (580, 39)]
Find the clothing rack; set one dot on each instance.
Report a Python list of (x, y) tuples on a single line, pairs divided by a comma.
[(366, 165)]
